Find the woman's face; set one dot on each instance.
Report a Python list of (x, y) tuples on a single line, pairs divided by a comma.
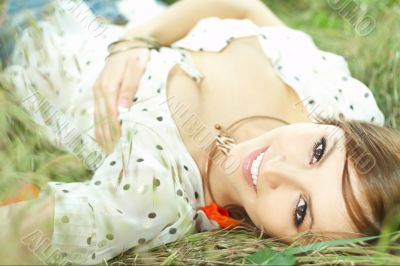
[(295, 186)]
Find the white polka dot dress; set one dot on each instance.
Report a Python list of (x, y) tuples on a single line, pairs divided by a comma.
[(148, 190), (321, 79)]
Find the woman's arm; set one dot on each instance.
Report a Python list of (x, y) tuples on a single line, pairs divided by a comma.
[(26, 231), (113, 87), (180, 18)]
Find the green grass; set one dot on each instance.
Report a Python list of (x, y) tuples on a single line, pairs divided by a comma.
[(26, 156)]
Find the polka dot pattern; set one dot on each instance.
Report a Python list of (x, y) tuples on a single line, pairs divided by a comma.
[(65, 219), (137, 175), (149, 176), (159, 147), (156, 182)]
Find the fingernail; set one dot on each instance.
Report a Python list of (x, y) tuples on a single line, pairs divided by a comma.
[(123, 103)]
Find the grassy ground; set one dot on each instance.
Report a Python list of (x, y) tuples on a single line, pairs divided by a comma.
[(375, 59)]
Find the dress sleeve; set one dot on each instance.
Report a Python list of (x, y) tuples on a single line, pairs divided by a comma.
[(321, 79), (213, 34), (135, 199)]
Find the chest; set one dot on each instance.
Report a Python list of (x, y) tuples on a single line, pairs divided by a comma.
[(239, 82)]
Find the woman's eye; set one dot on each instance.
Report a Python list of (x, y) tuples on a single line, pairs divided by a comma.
[(318, 150), (300, 211)]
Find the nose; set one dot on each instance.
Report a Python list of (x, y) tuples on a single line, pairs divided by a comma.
[(279, 171)]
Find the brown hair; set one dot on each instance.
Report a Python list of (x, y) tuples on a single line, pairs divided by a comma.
[(374, 153)]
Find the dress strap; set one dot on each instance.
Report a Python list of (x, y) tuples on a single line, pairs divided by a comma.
[(187, 64)]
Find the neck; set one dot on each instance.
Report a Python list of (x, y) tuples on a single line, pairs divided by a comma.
[(219, 189)]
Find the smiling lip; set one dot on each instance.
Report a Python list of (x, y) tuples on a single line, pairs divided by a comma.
[(246, 169)]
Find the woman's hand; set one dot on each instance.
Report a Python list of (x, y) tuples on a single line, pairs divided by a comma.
[(116, 86)]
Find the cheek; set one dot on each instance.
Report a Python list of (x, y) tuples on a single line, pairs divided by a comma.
[(296, 146), (274, 213)]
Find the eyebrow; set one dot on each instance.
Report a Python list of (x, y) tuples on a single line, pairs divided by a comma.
[(310, 200)]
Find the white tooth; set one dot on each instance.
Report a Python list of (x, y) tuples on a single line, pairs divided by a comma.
[(254, 169), (259, 160), (257, 163), (254, 177)]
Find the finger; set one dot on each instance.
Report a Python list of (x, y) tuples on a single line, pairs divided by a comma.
[(99, 119), (134, 71), (113, 127), (111, 101), (102, 135), (106, 93), (98, 133), (111, 124), (104, 129)]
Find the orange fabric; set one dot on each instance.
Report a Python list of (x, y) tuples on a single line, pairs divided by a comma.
[(26, 192), (220, 215)]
